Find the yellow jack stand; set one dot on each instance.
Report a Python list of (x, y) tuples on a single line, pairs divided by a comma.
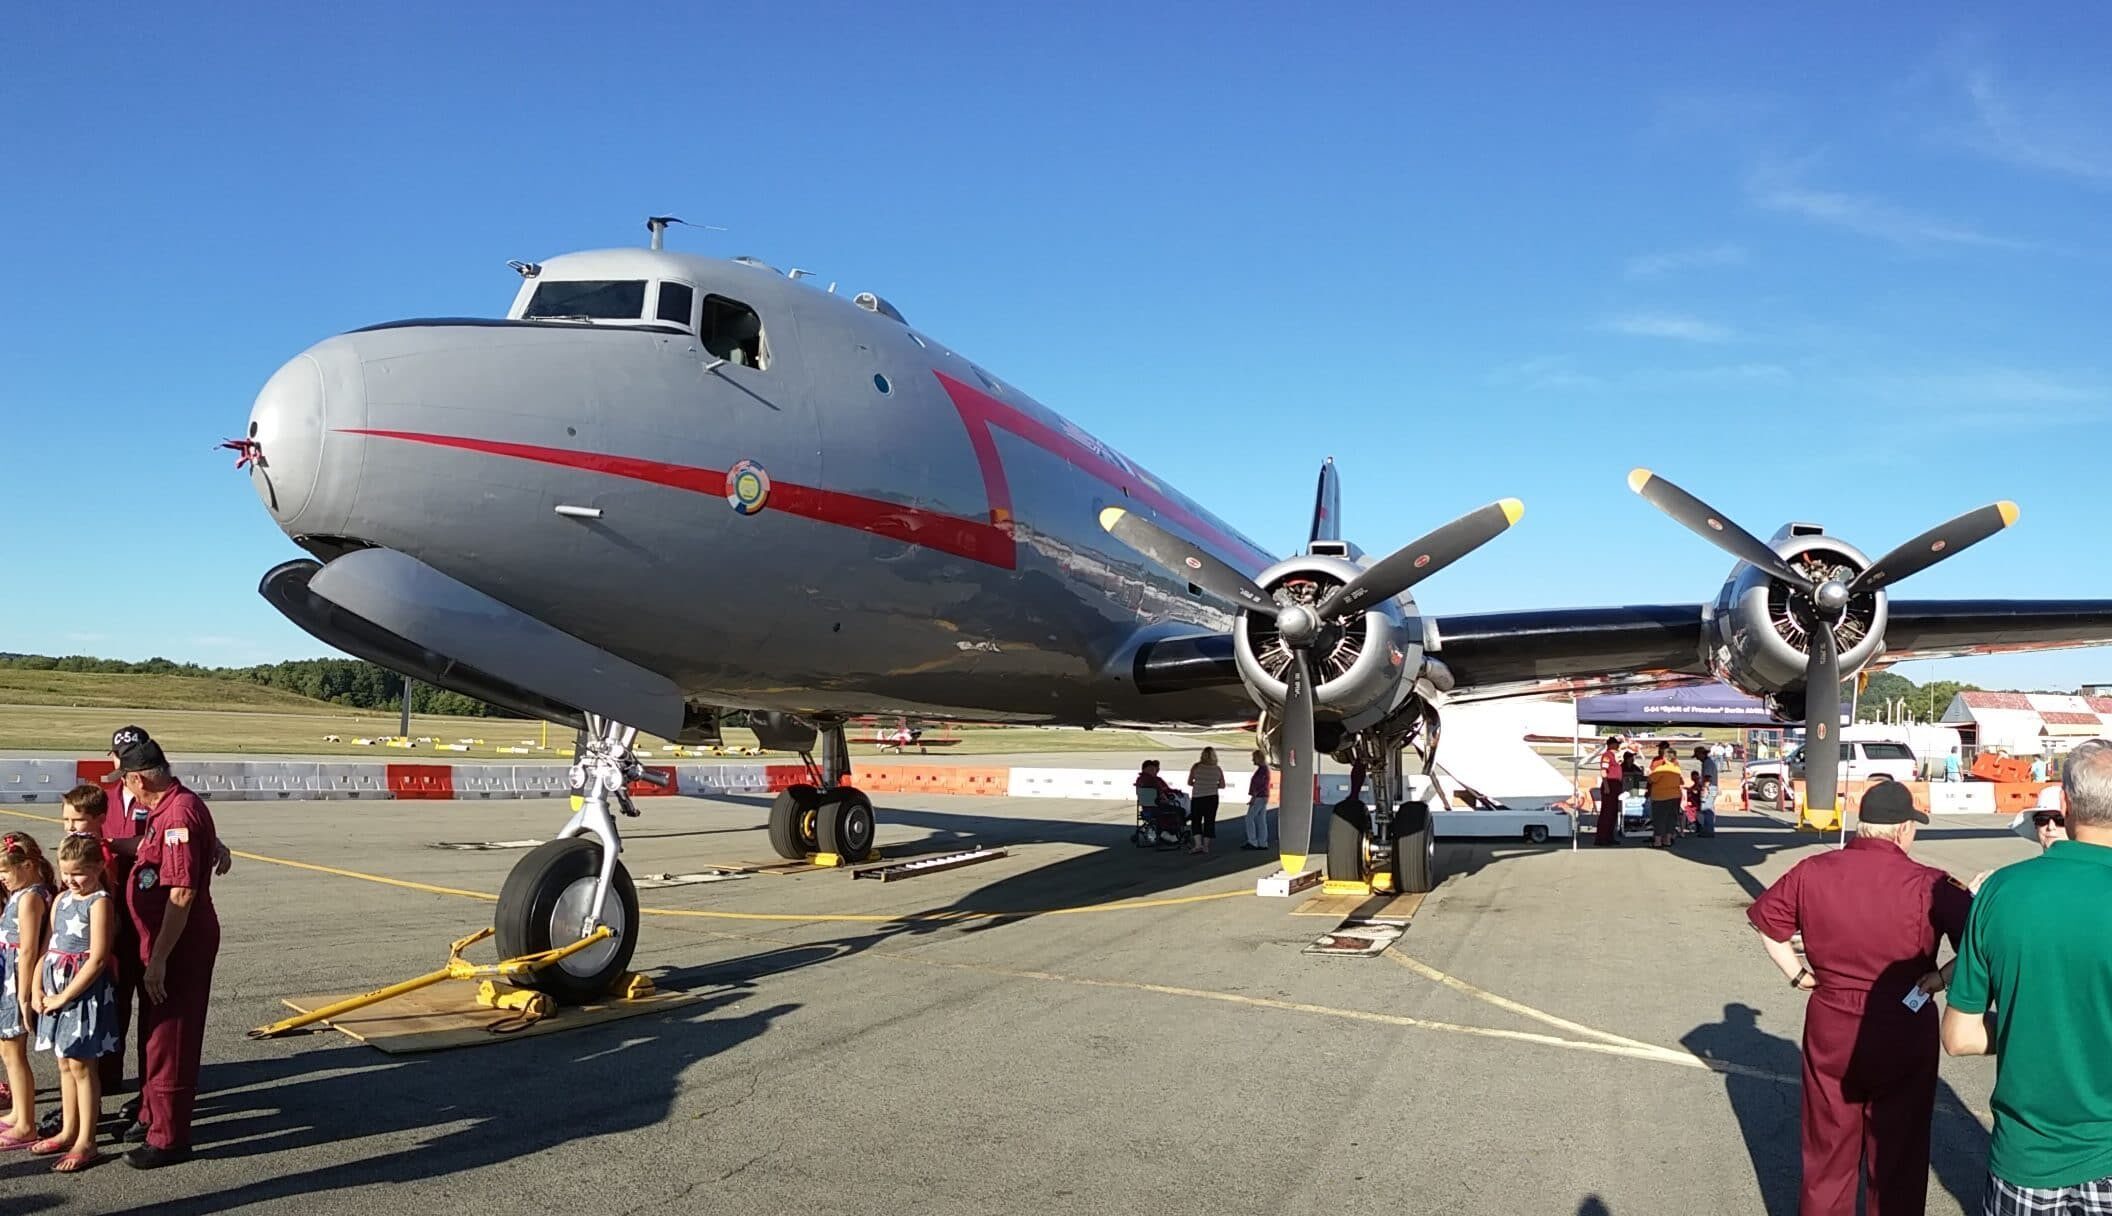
[(457, 968), (1345, 886)]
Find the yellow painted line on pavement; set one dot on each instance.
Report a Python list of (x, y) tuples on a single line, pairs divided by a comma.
[(1505, 1003), (1658, 1055), (947, 915)]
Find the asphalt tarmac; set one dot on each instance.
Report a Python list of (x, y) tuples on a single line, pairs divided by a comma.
[(1078, 1027)]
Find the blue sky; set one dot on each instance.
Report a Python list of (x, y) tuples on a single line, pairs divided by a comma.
[(1470, 251)]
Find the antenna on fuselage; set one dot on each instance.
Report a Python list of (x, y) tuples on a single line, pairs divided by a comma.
[(657, 225)]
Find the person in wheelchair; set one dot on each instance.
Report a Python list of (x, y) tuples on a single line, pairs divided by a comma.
[(1160, 807)]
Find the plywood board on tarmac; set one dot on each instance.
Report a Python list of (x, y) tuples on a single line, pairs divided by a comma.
[(447, 1015), (1361, 907)]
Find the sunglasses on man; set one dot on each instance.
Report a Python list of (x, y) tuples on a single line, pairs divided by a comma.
[(2040, 819)]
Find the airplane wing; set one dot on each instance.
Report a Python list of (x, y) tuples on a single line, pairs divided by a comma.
[(1553, 652)]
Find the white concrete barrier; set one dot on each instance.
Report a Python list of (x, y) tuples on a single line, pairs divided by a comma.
[(214, 780), (542, 780), (352, 781), (704, 780), (279, 779), (41, 781), (482, 781), (1961, 798)]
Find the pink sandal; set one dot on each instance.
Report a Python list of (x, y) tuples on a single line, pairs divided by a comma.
[(72, 1162), (15, 1140), (49, 1147)]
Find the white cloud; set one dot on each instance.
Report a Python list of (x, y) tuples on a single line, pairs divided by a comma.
[(1547, 372), (1999, 398), (1869, 215), (1675, 326), (2036, 130), (1652, 265)]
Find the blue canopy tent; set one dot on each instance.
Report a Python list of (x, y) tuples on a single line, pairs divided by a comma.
[(1687, 705)]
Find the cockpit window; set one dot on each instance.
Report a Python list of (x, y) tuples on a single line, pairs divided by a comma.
[(730, 330), (593, 299), (674, 303)]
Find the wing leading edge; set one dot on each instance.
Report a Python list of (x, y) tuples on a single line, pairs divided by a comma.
[(1584, 650)]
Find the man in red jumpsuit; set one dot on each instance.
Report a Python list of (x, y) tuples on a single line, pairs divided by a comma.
[(1609, 793), (171, 904), (1871, 917)]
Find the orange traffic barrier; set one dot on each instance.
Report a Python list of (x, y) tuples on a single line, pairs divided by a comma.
[(427, 782), (984, 782), (2008, 769)]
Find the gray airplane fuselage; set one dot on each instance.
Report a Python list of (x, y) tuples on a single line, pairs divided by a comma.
[(927, 542)]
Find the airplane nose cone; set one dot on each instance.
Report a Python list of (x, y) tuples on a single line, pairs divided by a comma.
[(291, 425), (286, 424)]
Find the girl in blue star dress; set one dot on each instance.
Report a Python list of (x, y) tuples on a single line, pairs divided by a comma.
[(27, 875), (78, 998)]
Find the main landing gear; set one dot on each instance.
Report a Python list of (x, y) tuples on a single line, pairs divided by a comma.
[(826, 818), (1390, 844), (568, 888)]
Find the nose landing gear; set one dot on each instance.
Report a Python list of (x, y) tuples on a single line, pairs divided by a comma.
[(567, 889)]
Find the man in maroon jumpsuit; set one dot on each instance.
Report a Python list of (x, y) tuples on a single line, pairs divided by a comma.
[(1871, 917), (171, 904), (1609, 793)]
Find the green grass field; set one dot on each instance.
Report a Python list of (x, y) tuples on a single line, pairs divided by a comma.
[(76, 711)]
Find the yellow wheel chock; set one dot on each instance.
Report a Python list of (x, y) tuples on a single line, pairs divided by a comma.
[(532, 1004)]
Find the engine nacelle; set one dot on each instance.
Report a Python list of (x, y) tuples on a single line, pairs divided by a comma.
[(1363, 669), (1754, 642)]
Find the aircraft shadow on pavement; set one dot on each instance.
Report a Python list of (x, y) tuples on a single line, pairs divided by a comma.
[(1769, 1111), (442, 1113)]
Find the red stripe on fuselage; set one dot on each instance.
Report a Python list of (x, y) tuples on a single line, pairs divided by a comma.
[(980, 412), (982, 542)]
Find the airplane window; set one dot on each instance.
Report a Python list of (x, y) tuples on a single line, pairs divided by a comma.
[(595, 299), (674, 303), (731, 331)]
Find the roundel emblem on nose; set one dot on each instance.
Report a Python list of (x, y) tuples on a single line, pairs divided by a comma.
[(747, 487), (1193, 564)]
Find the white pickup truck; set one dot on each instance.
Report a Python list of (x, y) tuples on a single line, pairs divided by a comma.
[(1861, 760)]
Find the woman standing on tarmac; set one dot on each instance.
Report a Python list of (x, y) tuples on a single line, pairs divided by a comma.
[(1205, 779)]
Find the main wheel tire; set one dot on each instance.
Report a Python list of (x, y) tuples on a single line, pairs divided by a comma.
[(795, 828), (1345, 840), (1537, 833), (542, 906), (844, 824), (1414, 850), (1767, 789)]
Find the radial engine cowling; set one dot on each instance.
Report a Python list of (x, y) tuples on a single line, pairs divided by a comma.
[(1757, 644), (1363, 668)]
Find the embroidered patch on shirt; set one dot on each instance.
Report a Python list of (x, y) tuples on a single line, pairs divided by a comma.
[(175, 836), (148, 876)]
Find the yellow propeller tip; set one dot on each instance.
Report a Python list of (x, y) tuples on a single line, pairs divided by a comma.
[(1111, 516), (1293, 863), (1639, 478), (2009, 512), (1513, 509)]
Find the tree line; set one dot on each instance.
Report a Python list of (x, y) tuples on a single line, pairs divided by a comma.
[(1924, 702), (350, 682)]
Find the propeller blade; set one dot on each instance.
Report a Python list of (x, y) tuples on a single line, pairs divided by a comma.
[(1932, 546), (1411, 564), (1184, 560), (1822, 725), (1297, 828), (1704, 521)]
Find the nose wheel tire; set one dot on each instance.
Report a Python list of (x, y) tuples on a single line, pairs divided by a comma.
[(542, 907), (795, 827), (844, 824), (1414, 850)]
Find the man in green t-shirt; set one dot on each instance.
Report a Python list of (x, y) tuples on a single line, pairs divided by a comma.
[(2033, 987)]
